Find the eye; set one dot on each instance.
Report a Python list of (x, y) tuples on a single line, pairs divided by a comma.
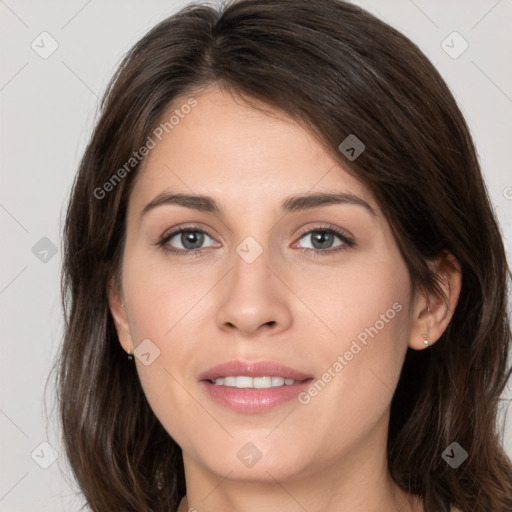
[(185, 240), (189, 240), (323, 238)]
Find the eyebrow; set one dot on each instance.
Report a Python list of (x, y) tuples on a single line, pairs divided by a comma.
[(293, 203)]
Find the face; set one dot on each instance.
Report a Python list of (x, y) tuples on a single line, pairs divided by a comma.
[(315, 291)]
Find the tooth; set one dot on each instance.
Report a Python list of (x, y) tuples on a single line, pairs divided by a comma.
[(262, 382), (277, 381), (244, 382), (229, 381)]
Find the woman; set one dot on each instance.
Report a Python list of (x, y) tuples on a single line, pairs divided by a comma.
[(281, 219)]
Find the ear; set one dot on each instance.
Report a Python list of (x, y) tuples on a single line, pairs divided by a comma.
[(432, 314), (119, 314)]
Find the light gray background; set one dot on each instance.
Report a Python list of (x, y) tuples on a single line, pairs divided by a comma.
[(48, 107)]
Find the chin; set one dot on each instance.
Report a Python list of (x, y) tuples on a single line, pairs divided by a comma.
[(260, 461)]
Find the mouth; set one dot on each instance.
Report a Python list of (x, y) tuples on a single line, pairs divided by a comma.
[(252, 387), (244, 382)]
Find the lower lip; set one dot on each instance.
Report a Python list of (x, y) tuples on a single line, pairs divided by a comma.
[(253, 399)]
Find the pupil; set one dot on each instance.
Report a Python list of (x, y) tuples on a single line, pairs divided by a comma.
[(192, 237), (320, 237)]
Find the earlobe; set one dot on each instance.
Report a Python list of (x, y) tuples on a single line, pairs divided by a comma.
[(119, 315), (432, 313)]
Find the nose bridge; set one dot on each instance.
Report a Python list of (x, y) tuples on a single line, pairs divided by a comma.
[(254, 297), (251, 265), (250, 278)]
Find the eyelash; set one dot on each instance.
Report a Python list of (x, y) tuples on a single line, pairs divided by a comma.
[(347, 242)]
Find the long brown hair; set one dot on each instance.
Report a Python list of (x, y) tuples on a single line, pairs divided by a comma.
[(338, 70)]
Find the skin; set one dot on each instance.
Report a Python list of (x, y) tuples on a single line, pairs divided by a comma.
[(329, 454)]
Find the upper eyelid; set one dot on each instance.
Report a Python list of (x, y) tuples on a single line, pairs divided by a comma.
[(336, 230), (180, 229)]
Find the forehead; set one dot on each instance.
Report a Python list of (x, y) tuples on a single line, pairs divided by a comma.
[(225, 148)]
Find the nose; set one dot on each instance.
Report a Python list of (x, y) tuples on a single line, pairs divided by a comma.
[(254, 299)]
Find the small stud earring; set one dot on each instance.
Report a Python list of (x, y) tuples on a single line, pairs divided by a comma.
[(130, 356), (425, 341)]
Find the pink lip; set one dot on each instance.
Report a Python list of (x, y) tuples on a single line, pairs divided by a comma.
[(253, 369), (251, 400)]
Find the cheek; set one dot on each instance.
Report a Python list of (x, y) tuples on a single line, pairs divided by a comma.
[(167, 319), (368, 311), (160, 293), (366, 299)]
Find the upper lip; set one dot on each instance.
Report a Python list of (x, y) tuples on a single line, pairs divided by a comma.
[(253, 369)]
